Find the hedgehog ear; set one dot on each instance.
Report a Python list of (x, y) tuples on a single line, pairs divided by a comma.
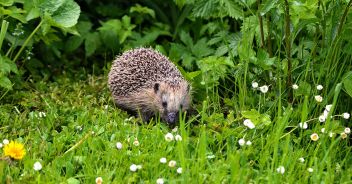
[(156, 87)]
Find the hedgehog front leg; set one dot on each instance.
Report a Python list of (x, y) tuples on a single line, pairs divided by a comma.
[(145, 115)]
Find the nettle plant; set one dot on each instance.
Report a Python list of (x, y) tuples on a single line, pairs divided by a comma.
[(25, 23)]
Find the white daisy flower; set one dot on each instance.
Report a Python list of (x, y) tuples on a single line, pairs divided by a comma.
[(318, 98), (163, 160), (119, 145), (319, 87), (241, 142), (281, 169), (133, 168), (248, 123), (169, 137), (314, 137), (99, 180), (179, 170), (178, 138), (255, 85), (303, 125), (346, 115), (160, 181), (264, 89), (172, 163), (37, 166), (295, 86)]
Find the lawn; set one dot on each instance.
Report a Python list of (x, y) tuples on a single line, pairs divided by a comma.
[(73, 129)]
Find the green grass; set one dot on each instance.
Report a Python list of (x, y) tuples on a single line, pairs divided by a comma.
[(76, 140)]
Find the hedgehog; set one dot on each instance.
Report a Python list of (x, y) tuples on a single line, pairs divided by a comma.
[(146, 83)]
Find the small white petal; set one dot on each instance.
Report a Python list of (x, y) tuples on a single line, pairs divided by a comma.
[(99, 180), (241, 142), (163, 160), (347, 130), (179, 170), (248, 123), (1, 145), (178, 138), (169, 137), (139, 167), (314, 137), (322, 118), (319, 87), (328, 107), (318, 98), (136, 142), (322, 130), (37, 166), (6, 141), (254, 85), (281, 169), (172, 163), (343, 135), (331, 134), (174, 129), (310, 170), (264, 89), (301, 159), (160, 181), (346, 115), (295, 86), (133, 168), (119, 145), (325, 114), (248, 143), (303, 125)]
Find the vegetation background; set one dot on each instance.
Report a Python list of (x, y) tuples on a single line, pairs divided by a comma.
[(257, 61)]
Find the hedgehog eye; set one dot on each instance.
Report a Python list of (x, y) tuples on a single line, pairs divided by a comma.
[(156, 87), (164, 104)]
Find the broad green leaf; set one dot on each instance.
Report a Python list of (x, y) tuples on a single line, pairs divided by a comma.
[(7, 65), (267, 6), (60, 13), (142, 10), (73, 181), (347, 83), (73, 43), (5, 68), (6, 2), (92, 43), (109, 32), (5, 82), (14, 12), (50, 6), (67, 14), (84, 27), (192, 75), (32, 14)]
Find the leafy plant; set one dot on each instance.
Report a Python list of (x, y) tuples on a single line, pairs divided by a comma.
[(62, 14)]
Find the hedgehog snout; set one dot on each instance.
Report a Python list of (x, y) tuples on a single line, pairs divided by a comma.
[(171, 118)]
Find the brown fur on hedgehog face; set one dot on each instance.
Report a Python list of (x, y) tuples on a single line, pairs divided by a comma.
[(164, 98), (171, 99)]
